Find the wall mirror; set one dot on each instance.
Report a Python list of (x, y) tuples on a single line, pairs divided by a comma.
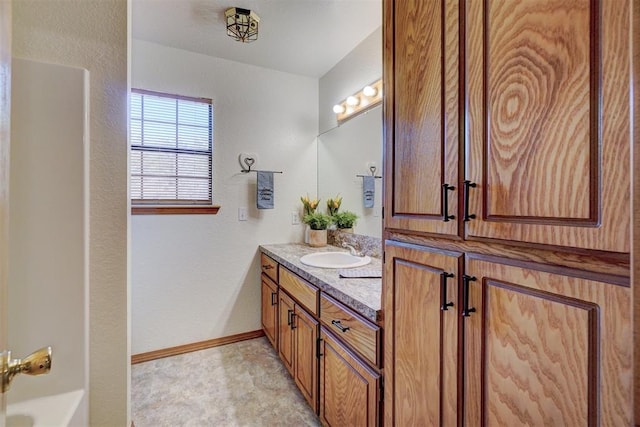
[(345, 152)]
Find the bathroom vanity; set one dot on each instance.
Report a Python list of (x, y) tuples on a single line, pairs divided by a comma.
[(326, 331)]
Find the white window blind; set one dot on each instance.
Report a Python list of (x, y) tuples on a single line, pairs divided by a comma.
[(171, 149)]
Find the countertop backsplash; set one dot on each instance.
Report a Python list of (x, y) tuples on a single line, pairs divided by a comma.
[(371, 246)]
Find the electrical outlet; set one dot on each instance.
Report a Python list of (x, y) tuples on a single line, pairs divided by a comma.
[(242, 214), (295, 218)]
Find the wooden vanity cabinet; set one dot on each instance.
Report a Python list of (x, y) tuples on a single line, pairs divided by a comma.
[(349, 389), (298, 330)]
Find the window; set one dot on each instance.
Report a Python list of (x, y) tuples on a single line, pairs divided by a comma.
[(171, 149)]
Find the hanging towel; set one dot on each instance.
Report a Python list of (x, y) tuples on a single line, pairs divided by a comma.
[(264, 196), (368, 190)]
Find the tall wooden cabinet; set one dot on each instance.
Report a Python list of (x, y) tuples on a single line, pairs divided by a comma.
[(507, 294)]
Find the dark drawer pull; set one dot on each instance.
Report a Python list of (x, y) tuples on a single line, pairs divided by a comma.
[(338, 325), (444, 304), (274, 294), (268, 266), (467, 185), (445, 202), (466, 310), (289, 313)]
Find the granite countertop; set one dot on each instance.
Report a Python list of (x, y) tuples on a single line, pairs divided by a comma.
[(362, 295)]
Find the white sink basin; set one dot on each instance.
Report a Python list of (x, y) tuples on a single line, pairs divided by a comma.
[(334, 260)]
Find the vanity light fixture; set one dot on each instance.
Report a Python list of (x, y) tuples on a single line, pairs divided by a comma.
[(367, 98), (353, 101), (242, 24)]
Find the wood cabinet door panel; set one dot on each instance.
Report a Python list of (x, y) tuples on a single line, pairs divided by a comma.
[(421, 114), (285, 333), (549, 121), (270, 310), (306, 363), (421, 351), (349, 389), (545, 349)]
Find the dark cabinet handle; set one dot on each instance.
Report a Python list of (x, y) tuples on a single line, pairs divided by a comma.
[(466, 310), (444, 305), (468, 184), (267, 266), (289, 313), (274, 294), (445, 202), (338, 325), (293, 320)]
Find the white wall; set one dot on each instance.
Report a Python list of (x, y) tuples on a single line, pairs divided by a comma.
[(92, 34), (47, 288), (363, 65), (196, 277)]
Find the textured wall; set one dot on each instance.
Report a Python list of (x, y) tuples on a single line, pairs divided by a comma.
[(197, 277), (92, 34)]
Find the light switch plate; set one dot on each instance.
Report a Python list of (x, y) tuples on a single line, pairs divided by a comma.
[(242, 214)]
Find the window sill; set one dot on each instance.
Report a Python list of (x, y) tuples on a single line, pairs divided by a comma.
[(174, 210)]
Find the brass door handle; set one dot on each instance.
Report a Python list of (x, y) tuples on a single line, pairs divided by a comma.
[(37, 363)]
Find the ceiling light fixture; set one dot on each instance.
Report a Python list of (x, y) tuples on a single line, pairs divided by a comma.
[(365, 99), (242, 24)]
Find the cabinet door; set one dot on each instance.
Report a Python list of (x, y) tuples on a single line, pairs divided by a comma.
[(305, 363), (270, 310), (285, 333), (549, 136), (545, 349), (421, 115), (349, 389), (421, 349)]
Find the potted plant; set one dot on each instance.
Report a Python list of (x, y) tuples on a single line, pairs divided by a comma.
[(345, 220), (318, 223)]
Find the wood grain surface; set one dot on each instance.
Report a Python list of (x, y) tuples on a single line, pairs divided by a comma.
[(349, 389), (423, 136), (306, 362), (549, 121), (361, 335), (269, 310), (421, 351), (302, 291), (611, 267), (285, 333), (635, 256), (546, 349)]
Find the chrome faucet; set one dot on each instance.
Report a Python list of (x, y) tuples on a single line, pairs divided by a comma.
[(352, 250)]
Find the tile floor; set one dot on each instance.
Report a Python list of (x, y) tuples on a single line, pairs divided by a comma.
[(241, 384)]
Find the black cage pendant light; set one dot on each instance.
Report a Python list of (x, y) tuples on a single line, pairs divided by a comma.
[(242, 24)]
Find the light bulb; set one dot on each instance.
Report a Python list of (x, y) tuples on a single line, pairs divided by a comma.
[(353, 100), (369, 91), (338, 109)]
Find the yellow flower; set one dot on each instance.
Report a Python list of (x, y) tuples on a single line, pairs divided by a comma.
[(309, 205), (334, 204)]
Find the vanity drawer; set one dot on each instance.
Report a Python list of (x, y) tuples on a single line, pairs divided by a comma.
[(353, 329), (269, 267), (305, 293)]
